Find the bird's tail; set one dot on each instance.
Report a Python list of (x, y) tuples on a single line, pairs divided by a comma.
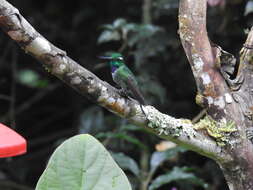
[(135, 91), (138, 95)]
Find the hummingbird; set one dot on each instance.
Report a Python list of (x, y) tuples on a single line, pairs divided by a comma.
[(124, 77)]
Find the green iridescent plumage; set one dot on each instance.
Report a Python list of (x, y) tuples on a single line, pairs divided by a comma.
[(124, 77)]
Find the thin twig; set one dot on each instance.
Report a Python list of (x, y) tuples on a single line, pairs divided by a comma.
[(30, 101), (49, 138), (5, 97), (49, 120), (108, 140), (7, 49), (144, 164), (13, 88), (199, 116), (123, 46), (6, 184), (37, 97), (146, 12)]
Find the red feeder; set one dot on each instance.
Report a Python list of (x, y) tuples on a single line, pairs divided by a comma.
[(11, 143)]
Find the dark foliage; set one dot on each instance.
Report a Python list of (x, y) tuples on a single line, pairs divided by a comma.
[(46, 111)]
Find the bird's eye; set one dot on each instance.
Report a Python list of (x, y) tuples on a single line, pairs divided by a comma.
[(120, 58)]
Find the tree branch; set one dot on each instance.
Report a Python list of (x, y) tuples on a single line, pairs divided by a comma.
[(224, 97), (86, 83), (146, 12), (202, 57), (247, 49)]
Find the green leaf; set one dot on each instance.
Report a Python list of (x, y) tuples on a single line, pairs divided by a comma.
[(152, 88), (248, 8), (109, 35), (126, 163), (128, 28), (31, 78), (118, 23), (150, 41), (82, 162), (158, 158), (131, 127), (142, 32), (116, 31), (177, 174)]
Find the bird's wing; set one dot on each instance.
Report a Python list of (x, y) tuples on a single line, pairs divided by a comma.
[(135, 90)]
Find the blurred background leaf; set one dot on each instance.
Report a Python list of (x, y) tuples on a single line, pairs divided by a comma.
[(91, 120), (248, 8), (126, 163), (31, 79), (157, 158), (179, 175)]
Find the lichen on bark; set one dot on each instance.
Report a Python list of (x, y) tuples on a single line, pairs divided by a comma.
[(221, 131)]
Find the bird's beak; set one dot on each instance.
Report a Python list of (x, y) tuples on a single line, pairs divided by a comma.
[(105, 57)]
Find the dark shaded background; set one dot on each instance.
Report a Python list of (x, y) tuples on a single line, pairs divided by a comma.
[(46, 111)]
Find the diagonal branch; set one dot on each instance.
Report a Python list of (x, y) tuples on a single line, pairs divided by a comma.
[(86, 83)]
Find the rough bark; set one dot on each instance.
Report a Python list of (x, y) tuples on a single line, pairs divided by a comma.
[(224, 99)]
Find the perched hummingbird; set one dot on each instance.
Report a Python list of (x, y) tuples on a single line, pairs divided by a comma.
[(124, 77)]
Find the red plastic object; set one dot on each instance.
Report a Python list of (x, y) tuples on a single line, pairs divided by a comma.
[(11, 143)]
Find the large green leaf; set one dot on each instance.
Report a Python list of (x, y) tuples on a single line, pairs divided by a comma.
[(82, 163)]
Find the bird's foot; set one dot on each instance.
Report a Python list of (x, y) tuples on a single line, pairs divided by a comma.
[(123, 93)]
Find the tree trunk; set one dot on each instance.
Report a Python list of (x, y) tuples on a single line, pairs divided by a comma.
[(225, 99)]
